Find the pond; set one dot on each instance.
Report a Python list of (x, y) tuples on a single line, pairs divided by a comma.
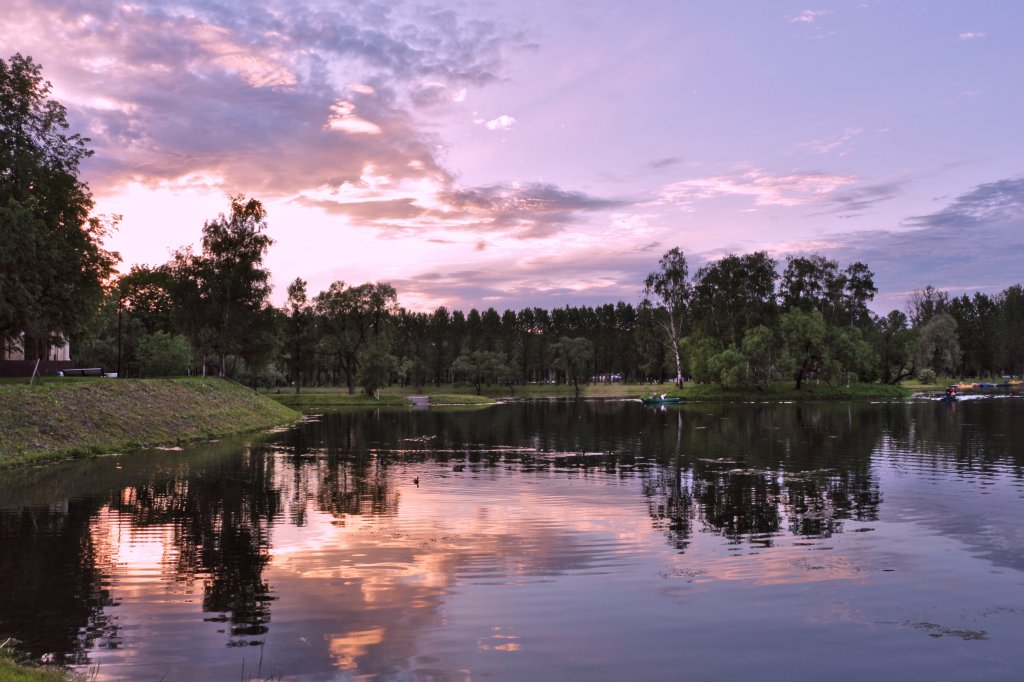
[(549, 540)]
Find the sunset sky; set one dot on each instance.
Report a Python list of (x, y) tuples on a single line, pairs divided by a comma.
[(548, 153)]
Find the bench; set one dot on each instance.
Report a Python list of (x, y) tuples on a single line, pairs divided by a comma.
[(83, 372)]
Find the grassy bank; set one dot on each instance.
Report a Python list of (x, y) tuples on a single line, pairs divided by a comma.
[(13, 672), (321, 398), (73, 417), (786, 391)]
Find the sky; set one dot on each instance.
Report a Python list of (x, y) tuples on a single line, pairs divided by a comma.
[(547, 153)]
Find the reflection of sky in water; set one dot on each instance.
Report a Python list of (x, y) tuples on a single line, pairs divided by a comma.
[(825, 544)]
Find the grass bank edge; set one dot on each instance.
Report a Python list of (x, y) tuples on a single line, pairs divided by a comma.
[(13, 671), (456, 395), (64, 420)]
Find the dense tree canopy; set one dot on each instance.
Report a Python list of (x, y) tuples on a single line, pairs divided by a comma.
[(53, 265)]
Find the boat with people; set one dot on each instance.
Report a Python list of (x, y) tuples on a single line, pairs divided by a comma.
[(661, 400)]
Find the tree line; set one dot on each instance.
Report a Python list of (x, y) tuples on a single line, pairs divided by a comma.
[(742, 320)]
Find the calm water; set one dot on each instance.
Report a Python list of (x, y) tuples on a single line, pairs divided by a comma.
[(538, 541)]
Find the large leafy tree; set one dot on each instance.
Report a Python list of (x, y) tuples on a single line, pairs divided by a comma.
[(353, 320), (52, 266), (572, 357), (896, 347), (221, 294), (841, 296), (481, 367), (938, 344), (734, 294)]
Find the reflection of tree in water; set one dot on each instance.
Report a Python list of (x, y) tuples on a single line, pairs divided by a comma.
[(221, 519), (52, 588), (743, 471), (974, 436), (335, 465)]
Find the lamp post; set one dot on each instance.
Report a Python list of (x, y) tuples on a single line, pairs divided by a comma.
[(120, 302)]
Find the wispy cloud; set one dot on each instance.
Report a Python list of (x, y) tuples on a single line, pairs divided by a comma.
[(503, 122), (517, 211), (972, 35), (995, 202), (842, 143), (854, 201), (764, 188), (808, 16), (667, 162), (592, 276)]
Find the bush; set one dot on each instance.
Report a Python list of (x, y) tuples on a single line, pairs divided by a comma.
[(926, 376)]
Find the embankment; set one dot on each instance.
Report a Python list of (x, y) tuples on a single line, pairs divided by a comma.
[(74, 417)]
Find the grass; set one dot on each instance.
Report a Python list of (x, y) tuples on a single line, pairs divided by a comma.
[(786, 391), (11, 671), (58, 419), (321, 398)]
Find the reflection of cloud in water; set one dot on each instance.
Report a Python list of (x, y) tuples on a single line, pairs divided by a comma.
[(389, 577)]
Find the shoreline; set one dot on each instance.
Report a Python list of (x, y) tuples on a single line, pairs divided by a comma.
[(72, 418), (320, 398)]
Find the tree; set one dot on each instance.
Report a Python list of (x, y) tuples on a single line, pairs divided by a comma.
[(729, 368), (376, 365), (805, 335), (480, 367), (896, 347), (353, 319), (816, 283), (299, 333), (572, 357), (810, 283), (759, 349), (938, 345), (1011, 329), (733, 294), (978, 326), (52, 266), (924, 304), (673, 292), (221, 294), (858, 290)]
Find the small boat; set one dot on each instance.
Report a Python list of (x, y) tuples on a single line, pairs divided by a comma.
[(661, 400)]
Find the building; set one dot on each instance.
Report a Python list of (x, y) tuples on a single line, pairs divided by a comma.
[(13, 362)]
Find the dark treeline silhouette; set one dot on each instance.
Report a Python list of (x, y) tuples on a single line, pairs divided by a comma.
[(743, 320)]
